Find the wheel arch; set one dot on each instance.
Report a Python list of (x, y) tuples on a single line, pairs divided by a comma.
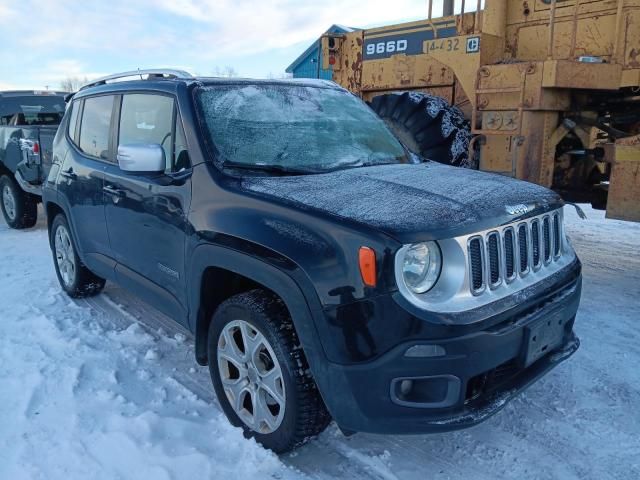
[(51, 210), (218, 272), (55, 204), (4, 170)]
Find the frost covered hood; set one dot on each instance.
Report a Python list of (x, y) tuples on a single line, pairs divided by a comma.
[(411, 202)]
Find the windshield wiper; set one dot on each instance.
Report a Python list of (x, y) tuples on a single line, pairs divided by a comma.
[(262, 167), (360, 164)]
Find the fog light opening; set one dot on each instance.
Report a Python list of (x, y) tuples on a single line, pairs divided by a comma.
[(439, 391), (405, 387)]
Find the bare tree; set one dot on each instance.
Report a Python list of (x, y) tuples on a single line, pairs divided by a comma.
[(279, 76), (228, 72), (72, 84)]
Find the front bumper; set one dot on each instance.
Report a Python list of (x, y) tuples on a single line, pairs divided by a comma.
[(476, 377)]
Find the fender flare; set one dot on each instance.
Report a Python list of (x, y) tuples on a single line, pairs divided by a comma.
[(302, 308), (60, 202)]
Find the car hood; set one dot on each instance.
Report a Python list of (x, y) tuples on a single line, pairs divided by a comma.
[(412, 202)]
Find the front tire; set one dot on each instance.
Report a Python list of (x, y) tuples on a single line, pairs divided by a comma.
[(19, 208), (260, 374), (75, 279)]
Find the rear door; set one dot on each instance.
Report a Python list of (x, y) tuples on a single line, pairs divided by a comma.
[(81, 178), (147, 214)]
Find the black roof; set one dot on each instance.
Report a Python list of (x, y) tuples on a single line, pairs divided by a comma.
[(169, 85)]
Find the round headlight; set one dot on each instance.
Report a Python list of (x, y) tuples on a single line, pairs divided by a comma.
[(421, 266)]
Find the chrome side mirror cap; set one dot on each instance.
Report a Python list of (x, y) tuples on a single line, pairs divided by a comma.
[(141, 158)]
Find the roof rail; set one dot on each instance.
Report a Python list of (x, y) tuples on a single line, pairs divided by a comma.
[(152, 73)]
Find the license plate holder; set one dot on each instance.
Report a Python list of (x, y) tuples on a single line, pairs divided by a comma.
[(543, 336)]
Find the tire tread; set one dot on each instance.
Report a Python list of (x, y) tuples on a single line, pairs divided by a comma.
[(26, 205), (313, 416), (87, 283), (422, 119)]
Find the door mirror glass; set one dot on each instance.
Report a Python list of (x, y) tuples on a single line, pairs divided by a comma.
[(141, 158)]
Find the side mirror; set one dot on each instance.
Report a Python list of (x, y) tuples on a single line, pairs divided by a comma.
[(141, 158)]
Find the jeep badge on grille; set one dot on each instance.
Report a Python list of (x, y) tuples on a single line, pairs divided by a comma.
[(516, 209)]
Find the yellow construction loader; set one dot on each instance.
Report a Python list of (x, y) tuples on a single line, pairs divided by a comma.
[(547, 91)]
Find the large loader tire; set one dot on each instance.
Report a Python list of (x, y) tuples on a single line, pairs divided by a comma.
[(427, 125)]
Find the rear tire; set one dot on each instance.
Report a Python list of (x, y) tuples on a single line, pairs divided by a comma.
[(427, 125), (20, 209), (75, 279), (258, 321)]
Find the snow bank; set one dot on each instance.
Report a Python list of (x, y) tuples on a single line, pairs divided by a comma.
[(86, 396)]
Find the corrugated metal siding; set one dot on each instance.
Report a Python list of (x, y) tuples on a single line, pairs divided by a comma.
[(326, 74), (309, 66)]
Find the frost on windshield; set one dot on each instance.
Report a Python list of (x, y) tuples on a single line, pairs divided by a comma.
[(295, 126)]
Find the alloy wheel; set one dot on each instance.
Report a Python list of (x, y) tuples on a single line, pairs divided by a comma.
[(251, 376), (9, 202), (65, 256)]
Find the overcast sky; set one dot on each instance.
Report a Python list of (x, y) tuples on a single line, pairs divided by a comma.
[(45, 41)]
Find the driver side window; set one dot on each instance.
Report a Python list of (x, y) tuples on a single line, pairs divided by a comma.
[(148, 119)]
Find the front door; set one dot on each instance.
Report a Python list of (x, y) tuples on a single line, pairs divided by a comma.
[(147, 213)]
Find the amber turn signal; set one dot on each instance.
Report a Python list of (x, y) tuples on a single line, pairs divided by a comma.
[(367, 259)]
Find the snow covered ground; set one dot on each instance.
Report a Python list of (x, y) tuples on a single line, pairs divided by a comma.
[(108, 388)]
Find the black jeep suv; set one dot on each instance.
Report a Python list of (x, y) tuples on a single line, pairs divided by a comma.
[(325, 271)]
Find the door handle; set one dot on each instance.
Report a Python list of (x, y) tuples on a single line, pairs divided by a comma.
[(116, 193), (69, 173)]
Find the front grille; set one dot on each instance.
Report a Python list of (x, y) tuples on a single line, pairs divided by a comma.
[(530, 245)]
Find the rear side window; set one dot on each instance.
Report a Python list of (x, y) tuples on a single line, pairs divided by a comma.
[(73, 121), (95, 125), (148, 119)]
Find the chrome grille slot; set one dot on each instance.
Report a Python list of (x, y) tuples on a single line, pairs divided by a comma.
[(493, 254), (509, 254), (556, 236), (523, 247), (504, 254), (535, 244), (476, 264), (546, 238)]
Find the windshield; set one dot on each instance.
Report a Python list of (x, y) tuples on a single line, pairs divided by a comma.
[(295, 127), (31, 109)]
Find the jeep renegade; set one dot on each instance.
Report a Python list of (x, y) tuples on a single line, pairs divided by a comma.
[(325, 271)]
